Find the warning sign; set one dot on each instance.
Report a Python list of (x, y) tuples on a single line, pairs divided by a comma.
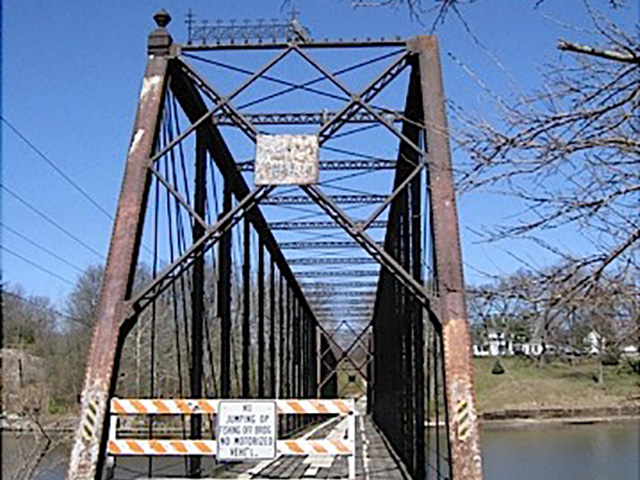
[(246, 430)]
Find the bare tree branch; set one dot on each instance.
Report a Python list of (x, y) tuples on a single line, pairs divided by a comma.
[(596, 52)]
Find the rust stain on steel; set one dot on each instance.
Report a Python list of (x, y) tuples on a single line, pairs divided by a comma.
[(286, 160), (461, 404), (85, 456)]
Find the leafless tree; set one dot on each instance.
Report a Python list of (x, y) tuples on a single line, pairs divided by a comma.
[(570, 153)]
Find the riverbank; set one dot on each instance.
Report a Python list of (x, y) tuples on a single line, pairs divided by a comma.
[(520, 419), (554, 389), (50, 423)]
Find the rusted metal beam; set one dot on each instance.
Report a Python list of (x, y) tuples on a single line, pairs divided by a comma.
[(246, 308), (332, 261), (338, 165), (458, 366), (345, 199), (331, 285), (316, 44), (261, 316), (302, 245), (319, 225), (340, 293), (224, 298), (338, 273), (302, 118), (90, 438), (197, 299), (272, 329)]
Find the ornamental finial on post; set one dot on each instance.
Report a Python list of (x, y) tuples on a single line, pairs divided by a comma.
[(159, 39)]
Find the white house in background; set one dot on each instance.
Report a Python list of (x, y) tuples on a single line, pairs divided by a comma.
[(498, 344), (480, 350), (595, 343), (530, 349), (629, 351)]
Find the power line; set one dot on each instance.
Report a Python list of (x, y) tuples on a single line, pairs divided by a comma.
[(51, 222), (44, 249), (51, 163), (36, 265), (69, 180)]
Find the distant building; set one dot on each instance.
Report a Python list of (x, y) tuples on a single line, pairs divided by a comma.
[(499, 344), (595, 343), (530, 349)]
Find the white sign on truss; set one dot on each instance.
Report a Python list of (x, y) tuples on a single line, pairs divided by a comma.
[(286, 160), (246, 430)]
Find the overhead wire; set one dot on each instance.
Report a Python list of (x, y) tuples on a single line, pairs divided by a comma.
[(75, 185), (40, 247), (37, 265), (50, 221), (55, 167)]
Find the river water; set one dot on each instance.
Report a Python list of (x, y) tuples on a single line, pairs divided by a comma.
[(605, 451)]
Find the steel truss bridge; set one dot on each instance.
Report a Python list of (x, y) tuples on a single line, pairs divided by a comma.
[(220, 288)]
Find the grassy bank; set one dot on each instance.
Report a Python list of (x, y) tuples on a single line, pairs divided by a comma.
[(557, 384)]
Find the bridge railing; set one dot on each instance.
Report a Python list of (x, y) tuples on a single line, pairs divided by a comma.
[(120, 407)]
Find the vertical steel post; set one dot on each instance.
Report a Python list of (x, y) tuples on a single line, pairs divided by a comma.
[(319, 362), (197, 297), (465, 438), (224, 298), (246, 309), (92, 433), (287, 338), (295, 357), (295, 350), (260, 317), (405, 314), (281, 334), (272, 329), (300, 358), (370, 373), (287, 355), (417, 318), (306, 373)]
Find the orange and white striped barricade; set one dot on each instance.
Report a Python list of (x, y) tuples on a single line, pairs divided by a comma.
[(325, 447)]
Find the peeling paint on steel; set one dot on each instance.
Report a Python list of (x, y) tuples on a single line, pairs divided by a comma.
[(136, 140), (149, 84), (86, 452)]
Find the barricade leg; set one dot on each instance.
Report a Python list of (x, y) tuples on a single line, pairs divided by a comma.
[(352, 438)]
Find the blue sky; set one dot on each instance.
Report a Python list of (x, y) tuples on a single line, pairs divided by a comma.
[(71, 76)]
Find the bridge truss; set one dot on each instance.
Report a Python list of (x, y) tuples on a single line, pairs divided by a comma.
[(199, 299)]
